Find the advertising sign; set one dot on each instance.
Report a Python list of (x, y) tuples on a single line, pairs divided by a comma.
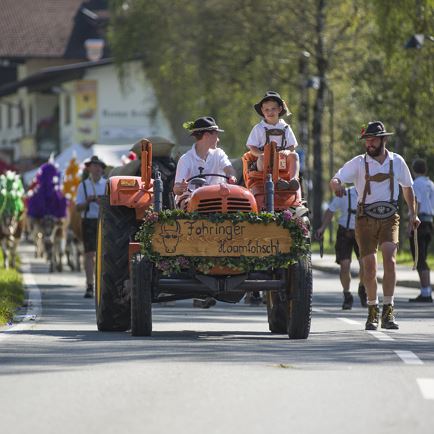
[(86, 120)]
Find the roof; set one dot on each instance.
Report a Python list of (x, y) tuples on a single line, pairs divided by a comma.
[(49, 28), (52, 76)]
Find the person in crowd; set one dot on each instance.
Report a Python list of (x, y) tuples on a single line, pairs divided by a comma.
[(424, 192), (87, 203), (377, 175), (345, 242)]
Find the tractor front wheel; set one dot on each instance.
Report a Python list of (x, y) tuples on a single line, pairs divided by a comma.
[(141, 297), (300, 308)]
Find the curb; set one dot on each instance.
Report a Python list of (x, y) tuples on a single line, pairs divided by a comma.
[(335, 270)]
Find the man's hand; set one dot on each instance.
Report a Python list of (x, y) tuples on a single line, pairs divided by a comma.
[(180, 187), (337, 187), (232, 180), (414, 222), (319, 233)]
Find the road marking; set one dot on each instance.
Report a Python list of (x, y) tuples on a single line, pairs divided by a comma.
[(34, 304), (349, 321), (408, 357), (380, 335), (426, 386), (315, 309)]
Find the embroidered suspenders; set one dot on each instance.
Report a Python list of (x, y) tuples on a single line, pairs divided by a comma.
[(276, 132), (378, 210)]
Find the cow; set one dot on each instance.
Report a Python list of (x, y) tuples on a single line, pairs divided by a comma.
[(11, 228)]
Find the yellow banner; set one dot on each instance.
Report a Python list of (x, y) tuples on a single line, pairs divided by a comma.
[(86, 120), (205, 238)]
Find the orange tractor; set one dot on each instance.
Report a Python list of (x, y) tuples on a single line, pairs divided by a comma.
[(128, 281)]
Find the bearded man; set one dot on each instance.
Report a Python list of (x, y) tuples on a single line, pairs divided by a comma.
[(377, 175)]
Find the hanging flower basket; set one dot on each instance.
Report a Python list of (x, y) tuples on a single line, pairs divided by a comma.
[(175, 240)]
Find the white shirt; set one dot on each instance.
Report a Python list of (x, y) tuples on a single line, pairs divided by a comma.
[(424, 192), (353, 172), (257, 136), (215, 162), (92, 189), (341, 204)]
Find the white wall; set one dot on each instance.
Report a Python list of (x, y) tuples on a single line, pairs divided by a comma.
[(127, 114)]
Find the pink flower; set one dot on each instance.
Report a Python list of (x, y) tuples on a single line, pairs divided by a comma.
[(287, 215)]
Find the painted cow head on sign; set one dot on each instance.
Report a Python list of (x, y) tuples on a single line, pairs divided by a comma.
[(170, 233)]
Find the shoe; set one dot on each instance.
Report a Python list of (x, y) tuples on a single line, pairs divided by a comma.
[(89, 292), (204, 304), (292, 185), (348, 301), (388, 319), (362, 295), (421, 299), (373, 314)]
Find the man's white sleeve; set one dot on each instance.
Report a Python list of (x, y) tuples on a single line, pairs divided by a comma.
[(404, 176), (224, 159), (334, 205), (348, 172), (182, 170), (80, 198)]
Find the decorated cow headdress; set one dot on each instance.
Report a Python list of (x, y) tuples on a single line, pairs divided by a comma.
[(47, 197)]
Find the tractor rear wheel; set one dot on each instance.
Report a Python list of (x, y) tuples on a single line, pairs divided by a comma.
[(116, 225), (141, 297), (300, 308)]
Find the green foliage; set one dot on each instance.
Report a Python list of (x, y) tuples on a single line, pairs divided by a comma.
[(218, 57), (173, 264)]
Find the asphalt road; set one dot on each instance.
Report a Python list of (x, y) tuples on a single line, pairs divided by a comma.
[(212, 371)]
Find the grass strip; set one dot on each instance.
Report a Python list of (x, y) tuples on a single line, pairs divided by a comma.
[(11, 293)]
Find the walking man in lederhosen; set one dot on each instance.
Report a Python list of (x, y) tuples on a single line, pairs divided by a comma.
[(345, 242), (377, 175)]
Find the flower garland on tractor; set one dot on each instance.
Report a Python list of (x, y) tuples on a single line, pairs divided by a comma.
[(173, 264)]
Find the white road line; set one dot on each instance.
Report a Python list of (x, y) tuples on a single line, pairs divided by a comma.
[(426, 386), (349, 321), (380, 335), (315, 309), (34, 304), (408, 357)]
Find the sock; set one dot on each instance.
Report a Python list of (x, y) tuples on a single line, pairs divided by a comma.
[(388, 299), (373, 302), (426, 292)]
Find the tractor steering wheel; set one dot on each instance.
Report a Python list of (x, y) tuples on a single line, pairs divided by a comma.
[(201, 179)]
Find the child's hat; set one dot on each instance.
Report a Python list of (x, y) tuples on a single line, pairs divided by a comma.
[(273, 96), (205, 123)]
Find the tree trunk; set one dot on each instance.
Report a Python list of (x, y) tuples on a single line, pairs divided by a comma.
[(318, 115)]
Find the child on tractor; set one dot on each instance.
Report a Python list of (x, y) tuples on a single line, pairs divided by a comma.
[(274, 129)]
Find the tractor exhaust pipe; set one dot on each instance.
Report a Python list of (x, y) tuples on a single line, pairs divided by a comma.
[(158, 192), (269, 193)]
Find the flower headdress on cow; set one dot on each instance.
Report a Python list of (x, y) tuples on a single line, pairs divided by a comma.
[(11, 194), (47, 197), (71, 179)]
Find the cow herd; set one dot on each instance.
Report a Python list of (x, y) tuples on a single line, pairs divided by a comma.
[(44, 215)]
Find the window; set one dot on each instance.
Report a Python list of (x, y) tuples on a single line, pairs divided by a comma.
[(10, 116), (30, 118), (67, 109)]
